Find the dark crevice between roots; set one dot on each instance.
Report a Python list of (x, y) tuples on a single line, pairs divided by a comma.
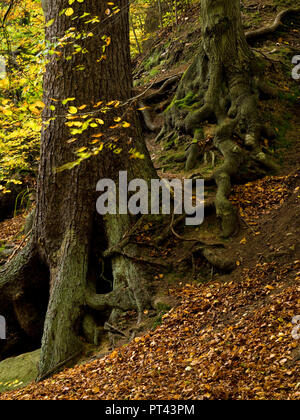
[(24, 296)]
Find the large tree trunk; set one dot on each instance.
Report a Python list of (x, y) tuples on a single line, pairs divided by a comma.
[(65, 216), (222, 84), (68, 235)]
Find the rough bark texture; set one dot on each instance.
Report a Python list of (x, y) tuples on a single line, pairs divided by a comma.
[(65, 221), (222, 85), (69, 236)]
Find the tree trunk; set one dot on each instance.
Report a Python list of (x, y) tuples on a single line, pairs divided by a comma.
[(68, 234), (222, 84), (65, 216)]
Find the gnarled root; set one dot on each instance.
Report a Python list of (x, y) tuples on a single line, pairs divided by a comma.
[(222, 84), (258, 33)]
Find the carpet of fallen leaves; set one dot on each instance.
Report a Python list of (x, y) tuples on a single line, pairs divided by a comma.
[(226, 340), (11, 228), (260, 197)]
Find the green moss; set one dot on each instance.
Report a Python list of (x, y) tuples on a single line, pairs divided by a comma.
[(199, 134), (162, 307), (158, 321), (187, 102), (16, 372), (282, 125), (172, 157), (169, 144), (153, 60)]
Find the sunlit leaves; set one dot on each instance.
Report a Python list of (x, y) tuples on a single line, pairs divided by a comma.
[(20, 124), (4, 83), (82, 149), (65, 101)]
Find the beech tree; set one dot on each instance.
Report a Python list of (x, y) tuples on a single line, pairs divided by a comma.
[(86, 83), (90, 78)]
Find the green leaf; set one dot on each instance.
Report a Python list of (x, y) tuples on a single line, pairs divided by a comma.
[(49, 23), (65, 101)]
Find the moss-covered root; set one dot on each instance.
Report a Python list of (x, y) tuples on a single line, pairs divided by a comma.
[(233, 158), (92, 332), (61, 342), (121, 298)]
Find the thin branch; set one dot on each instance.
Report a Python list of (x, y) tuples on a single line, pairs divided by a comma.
[(7, 13)]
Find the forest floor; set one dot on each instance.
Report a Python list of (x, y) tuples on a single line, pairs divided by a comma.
[(216, 334)]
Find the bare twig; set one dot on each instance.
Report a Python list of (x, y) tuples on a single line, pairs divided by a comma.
[(18, 247)]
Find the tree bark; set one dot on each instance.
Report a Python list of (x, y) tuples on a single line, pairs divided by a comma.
[(65, 218), (69, 237)]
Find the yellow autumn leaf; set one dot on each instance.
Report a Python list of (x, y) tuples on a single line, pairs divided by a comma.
[(7, 112), (49, 23), (4, 83), (39, 104), (72, 110), (69, 11), (82, 149)]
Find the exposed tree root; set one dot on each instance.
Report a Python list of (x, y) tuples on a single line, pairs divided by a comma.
[(223, 85), (258, 33), (122, 299), (165, 87), (212, 255)]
